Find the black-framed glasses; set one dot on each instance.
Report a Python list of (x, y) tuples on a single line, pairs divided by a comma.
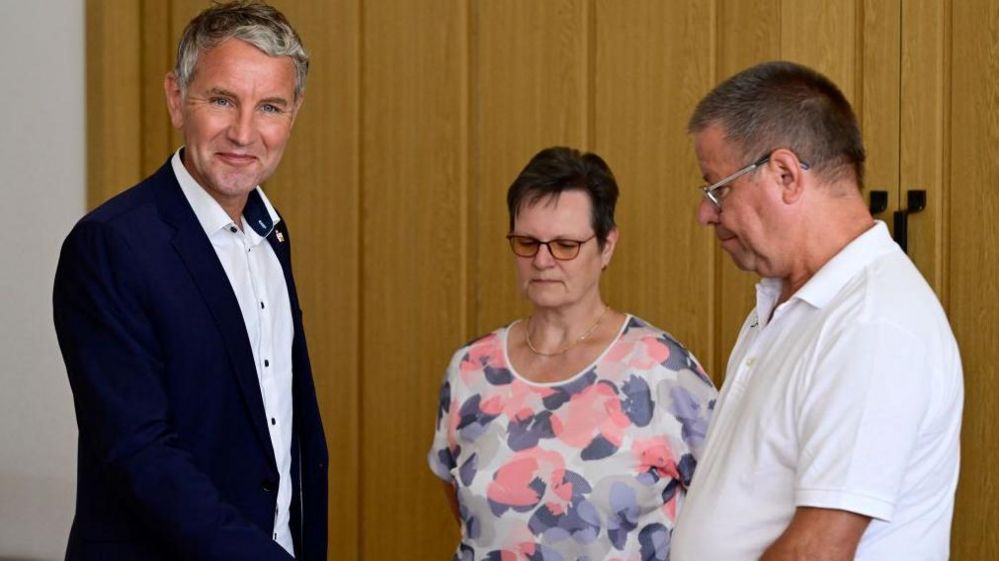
[(559, 248), (717, 191)]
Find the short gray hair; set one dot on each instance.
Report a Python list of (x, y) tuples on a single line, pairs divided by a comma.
[(256, 23), (786, 105)]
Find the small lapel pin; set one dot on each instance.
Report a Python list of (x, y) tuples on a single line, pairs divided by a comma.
[(279, 236)]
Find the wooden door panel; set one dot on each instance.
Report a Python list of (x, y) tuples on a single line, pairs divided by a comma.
[(646, 83), (924, 90), (878, 104), (414, 211), (317, 189), (529, 91), (972, 258)]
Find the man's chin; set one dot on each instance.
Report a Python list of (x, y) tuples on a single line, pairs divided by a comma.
[(741, 261), (235, 186)]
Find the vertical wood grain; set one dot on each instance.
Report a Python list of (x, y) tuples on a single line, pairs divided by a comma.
[(317, 189), (646, 85), (414, 220), (973, 266), (530, 92), (114, 98), (878, 108), (924, 91), (158, 51), (824, 35)]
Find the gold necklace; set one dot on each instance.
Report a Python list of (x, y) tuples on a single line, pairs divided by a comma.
[(527, 336)]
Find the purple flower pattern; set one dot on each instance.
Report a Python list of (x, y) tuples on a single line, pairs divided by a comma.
[(592, 468)]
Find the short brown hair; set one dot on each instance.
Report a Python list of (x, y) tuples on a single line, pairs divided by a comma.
[(559, 168)]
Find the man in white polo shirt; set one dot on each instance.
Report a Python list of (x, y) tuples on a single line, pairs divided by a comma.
[(836, 435)]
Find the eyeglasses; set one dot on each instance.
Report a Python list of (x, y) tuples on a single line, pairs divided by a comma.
[(559, 248), (717, 191)]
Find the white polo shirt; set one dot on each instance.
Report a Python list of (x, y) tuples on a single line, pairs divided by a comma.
[(849, 398), (257, 279)]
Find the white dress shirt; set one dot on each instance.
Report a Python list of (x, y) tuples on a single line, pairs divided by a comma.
[(258, 282)]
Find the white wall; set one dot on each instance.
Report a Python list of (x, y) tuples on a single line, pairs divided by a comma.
[(42, 189)]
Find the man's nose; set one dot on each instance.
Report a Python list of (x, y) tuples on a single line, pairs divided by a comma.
[(707, 212), (241, 128)]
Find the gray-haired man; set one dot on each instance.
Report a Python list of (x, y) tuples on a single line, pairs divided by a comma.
[(176, 311)]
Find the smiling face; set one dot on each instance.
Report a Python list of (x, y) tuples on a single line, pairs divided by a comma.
[(236, 116), (551, 283), (746, 222)]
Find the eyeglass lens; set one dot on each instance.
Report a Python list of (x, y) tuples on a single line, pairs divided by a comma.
[(563, 250)]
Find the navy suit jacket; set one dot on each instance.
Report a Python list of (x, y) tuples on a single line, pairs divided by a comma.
[(175, 459)]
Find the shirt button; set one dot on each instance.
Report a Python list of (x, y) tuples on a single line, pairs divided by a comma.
[(273, 421), (266, 363), (261, 305), (233, 229), (750, 361)]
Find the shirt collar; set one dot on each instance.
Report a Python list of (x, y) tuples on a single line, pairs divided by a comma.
[(258, 213), (830, 279)]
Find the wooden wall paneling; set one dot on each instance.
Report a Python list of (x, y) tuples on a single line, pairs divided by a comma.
[(414, 176), (746, 34), (158, 49), (824, 35), (879, 104), (529, 92), (924, 91), (646, 84), (317, 189), (973, 264), (114, 98)]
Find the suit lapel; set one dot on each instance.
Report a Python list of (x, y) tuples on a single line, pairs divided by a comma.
[(281, 244), (202, 263)]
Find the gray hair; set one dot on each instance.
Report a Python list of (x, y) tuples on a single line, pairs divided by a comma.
[(786, 105), (258, 24)]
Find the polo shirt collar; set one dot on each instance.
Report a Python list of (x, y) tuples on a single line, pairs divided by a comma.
[(858, 254), (830, 279), (258, 213)]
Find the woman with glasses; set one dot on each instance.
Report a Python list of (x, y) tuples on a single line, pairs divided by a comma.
[(572, 433)]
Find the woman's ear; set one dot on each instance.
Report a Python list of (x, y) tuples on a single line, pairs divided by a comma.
[(609, 244)]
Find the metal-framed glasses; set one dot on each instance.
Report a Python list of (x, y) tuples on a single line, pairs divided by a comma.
[(559, 248), (717, 191)]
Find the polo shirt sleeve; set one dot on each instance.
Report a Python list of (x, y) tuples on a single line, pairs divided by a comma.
[(858, 418)]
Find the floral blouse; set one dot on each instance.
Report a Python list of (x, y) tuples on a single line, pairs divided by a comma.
[(591, 468)]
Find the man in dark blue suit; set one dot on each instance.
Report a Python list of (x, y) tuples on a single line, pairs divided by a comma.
[(177, 316)]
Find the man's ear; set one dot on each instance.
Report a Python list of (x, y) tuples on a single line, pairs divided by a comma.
[(790, 174), (174, 99)]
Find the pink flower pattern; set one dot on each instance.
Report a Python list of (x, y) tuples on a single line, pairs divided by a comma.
[(590, 468)]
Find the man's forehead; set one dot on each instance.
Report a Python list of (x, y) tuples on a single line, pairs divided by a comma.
[(235, 64)]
